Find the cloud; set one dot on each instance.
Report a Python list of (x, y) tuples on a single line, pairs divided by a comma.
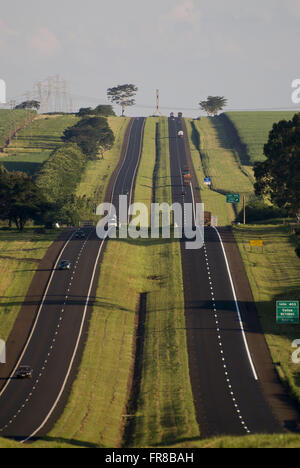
[(45, 42)]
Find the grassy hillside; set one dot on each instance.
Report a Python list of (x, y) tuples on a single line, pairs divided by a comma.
[(11, 120), (274, 274), (253, 129), (33, 144)]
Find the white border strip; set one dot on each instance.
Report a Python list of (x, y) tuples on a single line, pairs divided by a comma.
[(237, 308)]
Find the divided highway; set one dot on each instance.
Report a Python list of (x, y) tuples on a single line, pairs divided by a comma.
[(227, 390), (29, 407)]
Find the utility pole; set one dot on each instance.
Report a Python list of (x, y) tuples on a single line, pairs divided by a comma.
[(157, 111), (244, 210)]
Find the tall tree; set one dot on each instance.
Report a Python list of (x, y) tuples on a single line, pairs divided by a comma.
[(123, 95), (213, 104), (278, 178)]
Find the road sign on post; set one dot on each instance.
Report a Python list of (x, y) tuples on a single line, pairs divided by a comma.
[(287, 312), (233, 198), (207, 180)]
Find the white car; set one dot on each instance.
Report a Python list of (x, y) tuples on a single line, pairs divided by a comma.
[(112, 221)]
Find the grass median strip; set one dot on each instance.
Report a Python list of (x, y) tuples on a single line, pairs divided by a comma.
[(164, 407)]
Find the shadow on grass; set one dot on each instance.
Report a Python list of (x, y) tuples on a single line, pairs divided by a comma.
[(28, 167), (59, 300), (55, 440)]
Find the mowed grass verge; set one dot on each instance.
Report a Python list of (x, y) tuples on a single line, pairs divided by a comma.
[(274, 274), (20, 255), (34, 143)]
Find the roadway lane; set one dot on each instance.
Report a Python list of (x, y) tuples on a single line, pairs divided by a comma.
[(228, 397), (128, 170), (29, 407)]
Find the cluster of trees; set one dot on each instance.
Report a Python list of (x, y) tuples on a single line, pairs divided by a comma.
[(57, 181), (20, 199), (278, 177), (213, 104), (29, 105), (92, 135), (61, 172), (105, 110)]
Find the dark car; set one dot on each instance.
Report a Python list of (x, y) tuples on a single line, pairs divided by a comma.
[(64, 265), (80, 235), (24, 372)]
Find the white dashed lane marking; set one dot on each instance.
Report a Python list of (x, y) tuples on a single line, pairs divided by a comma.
[(219, 337), (48, 354)]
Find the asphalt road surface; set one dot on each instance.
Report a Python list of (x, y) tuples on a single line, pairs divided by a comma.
[(227, 389), (29, 407)]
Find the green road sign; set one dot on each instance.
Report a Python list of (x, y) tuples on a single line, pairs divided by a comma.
[(287, 312), (233, 198)]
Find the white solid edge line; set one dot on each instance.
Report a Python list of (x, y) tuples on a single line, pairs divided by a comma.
[(237, 308), (37, 316), (75, 349)]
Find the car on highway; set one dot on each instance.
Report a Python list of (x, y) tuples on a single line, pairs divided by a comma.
[(112, 221), (80, 235), (64, 265), (24, 372)]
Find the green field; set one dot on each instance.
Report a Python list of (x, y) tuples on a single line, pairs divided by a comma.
[(274, 274), (34, 143), (253, 129), (11, 120)]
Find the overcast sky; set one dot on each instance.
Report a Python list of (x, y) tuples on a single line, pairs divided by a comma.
[(248, 52)]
